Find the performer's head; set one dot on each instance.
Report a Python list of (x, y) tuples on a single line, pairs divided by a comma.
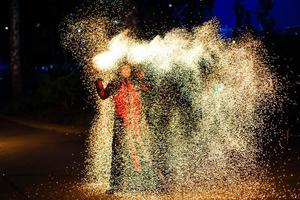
[(125, 69)]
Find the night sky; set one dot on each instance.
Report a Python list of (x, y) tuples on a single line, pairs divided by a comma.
[(285, 12), (36, 14)]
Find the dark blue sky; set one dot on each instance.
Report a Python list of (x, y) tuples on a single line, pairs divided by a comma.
[(285, 12)]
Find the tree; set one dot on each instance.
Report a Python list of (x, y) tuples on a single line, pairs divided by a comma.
[(263, 15), (15, 63), (207, 8), (243, 17)]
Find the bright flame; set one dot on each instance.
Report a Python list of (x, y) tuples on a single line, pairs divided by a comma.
[(117, 49), (162, 53)]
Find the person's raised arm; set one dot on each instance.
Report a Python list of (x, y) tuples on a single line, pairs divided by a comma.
[(104, 93)]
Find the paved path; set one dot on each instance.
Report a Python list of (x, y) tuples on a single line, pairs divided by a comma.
[(41, 164), (31, 158)]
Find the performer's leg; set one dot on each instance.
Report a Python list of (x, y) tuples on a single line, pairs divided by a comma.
[(140, 141), (134, 156), (117, 164)]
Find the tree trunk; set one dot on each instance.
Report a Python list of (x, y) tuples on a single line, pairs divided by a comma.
[(15, 63)]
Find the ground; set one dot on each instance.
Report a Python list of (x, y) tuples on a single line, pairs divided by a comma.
[(30, 157), (42, 164)]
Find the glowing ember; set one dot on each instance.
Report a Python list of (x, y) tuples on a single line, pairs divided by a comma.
[(202, 116)]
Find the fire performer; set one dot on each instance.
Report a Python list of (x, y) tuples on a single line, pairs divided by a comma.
[(125, 90)]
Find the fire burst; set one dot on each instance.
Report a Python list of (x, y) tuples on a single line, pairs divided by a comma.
[(204, 117)]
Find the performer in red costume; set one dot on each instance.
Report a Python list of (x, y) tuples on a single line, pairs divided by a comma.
[(125, 90)]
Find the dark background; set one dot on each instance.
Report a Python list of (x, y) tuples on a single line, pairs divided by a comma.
[(49, 90)]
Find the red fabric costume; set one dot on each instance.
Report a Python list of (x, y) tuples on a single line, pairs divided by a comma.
[(128, 106)]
